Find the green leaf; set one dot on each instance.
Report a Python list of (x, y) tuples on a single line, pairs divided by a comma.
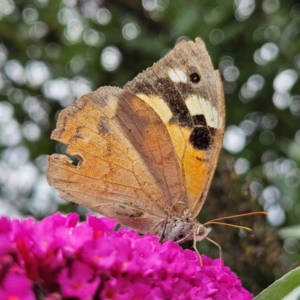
[(290, 232), (281, 287)]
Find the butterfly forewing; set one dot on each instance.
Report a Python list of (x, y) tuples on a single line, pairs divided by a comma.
[(187, 94), (127, 168)]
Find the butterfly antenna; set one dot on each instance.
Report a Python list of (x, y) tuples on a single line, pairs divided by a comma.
[(231, 225), (216, 221), (240, 215)]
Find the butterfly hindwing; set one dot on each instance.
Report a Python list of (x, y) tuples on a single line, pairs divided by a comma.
[(127, 163)]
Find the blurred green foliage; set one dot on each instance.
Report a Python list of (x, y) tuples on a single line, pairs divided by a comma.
[(51, 52)]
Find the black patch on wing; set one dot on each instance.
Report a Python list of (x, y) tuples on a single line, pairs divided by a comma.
[(199, 120), (202, 135), (173, 99), (200, 138)]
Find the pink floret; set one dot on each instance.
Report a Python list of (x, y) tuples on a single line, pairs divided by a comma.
[(60, 257)]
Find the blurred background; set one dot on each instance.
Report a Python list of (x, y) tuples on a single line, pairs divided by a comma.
[(52, 52)]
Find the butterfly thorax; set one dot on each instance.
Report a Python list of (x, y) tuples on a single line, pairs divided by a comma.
[(183, 228)]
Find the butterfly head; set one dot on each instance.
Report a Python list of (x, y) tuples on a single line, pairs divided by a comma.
[(201, 232), (184, 228)]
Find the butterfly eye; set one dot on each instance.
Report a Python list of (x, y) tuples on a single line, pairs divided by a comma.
[(195, 77)]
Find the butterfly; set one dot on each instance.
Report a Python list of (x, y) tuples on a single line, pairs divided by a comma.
[(146, 153)]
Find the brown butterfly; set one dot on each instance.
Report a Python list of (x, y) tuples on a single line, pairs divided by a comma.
[(147, 153)]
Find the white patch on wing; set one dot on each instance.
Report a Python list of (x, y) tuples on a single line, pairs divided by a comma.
[(199, 106), (177, 75), (158, 105)]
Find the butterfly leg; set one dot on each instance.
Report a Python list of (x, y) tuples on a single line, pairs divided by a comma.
[(215, 243), (161, 238), (186, 238), (195, 248)]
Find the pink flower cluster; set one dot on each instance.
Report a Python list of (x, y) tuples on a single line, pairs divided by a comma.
[(59, 258)]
